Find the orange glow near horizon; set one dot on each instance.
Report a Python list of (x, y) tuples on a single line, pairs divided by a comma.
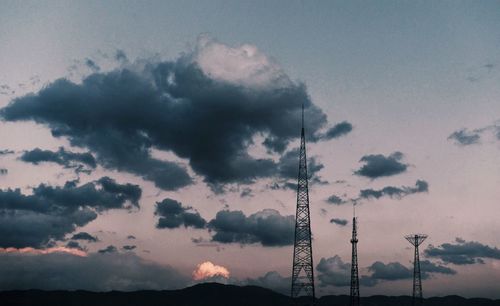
[(29, 250)]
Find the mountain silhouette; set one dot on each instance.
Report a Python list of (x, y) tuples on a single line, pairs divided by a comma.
[(209, 294)]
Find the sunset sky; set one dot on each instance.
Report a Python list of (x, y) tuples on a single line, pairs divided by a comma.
[(154, 145)]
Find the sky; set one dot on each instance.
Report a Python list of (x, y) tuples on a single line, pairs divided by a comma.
[(155, 143)]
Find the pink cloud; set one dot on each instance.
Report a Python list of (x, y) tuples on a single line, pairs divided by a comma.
[(72, 251), (208, 269)]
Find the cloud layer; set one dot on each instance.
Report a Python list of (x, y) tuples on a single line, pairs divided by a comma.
[(205, 107), (463, 252), (335, 272), (394, 192), (388, 191), (378, 165), (95, 272), (173, 215), (267, 227), (82, 162), (51, 212)]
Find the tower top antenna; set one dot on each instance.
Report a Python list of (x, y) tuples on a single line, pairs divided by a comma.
[(302, 116), (416, 240)]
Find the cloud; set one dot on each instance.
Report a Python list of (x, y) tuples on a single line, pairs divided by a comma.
[(340, 129), (51, 212), (463, 252), (75, 245), (94, 272), (464, 137), (333, 199), (6, 152), (333, 272), (120, 56), (288, 165), (429, 267), (246, 192), (205, 107), (173, 215), (3, 171), (108, 249), (131, 237), (394, 192), (129, 247), (391, 271), (92, 65), (209, 270), (6, 90), (62, 157), (396, 271), (267, 227), (84, 236), (378, 165), (271, 280), (33, 251), (341, 222), (388, 191)]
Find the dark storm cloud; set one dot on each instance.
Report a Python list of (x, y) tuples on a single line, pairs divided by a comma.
[(464, 137), (173, 106), (340, 129), (95, 272), (84, 236), (6, 152), (129, 247), (51, 212), (334, 272), (463, 252), (62, 157), (341, 222), (267, 227), (379, 165), (173, 215), (394, 192), (131, 237)]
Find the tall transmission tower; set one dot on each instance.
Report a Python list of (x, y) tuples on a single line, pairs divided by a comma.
[(354, 296), (303, 271), (416, 240)]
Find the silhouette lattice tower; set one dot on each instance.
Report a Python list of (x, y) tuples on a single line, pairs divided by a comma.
[(354, 296), (416, 240), (303, 273)]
